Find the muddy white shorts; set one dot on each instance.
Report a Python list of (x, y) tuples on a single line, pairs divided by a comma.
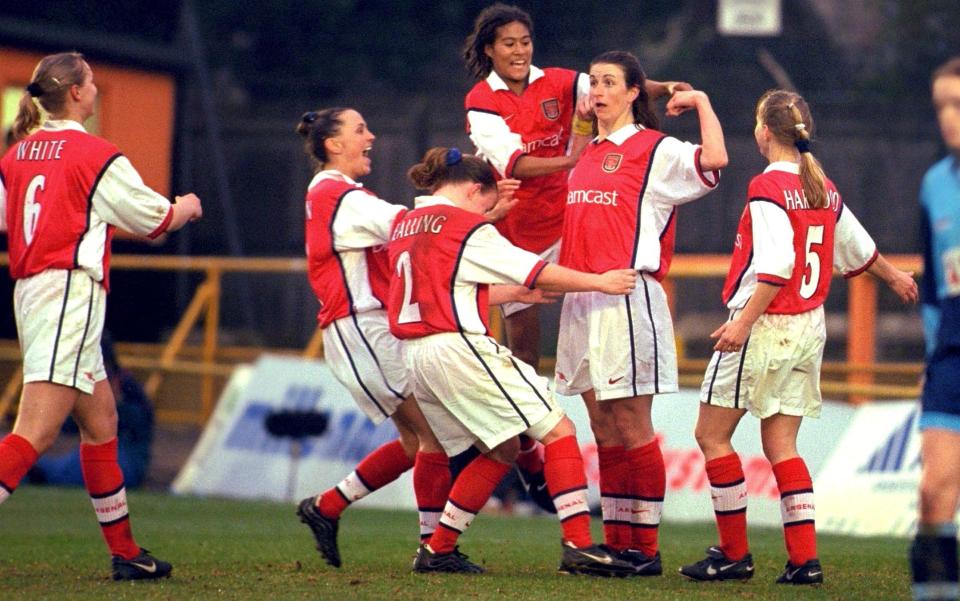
[(474, 391), (776, 371), (60, 317), (368, 360), (620, 346), (551, 255)]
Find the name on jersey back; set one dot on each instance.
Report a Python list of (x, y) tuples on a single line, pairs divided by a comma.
[(419, 225), (40, 150)]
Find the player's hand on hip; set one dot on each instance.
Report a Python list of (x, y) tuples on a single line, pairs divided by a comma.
[(618, 281)]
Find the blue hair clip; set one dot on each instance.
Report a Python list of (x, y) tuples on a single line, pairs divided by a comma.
[(309, 117), (453, 156), (802, 145)]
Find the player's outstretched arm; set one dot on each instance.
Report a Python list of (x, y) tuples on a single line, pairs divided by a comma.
[(186, 209), (561, 279)]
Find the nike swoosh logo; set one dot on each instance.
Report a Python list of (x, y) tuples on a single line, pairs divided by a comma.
[(727, 567), (711, 570), (508, 117), (614, 380), (149, 568), (542, 486), (599, 558), (814, 574)]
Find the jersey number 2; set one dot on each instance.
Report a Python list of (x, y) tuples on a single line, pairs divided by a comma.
[(409, 312), (31, 208), (811, 273)]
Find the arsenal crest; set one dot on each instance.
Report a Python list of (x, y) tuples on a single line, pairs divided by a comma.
[(611, 162), (551, 108)]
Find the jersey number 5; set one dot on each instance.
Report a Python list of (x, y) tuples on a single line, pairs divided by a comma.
[(31, 208), (811, 272), (409, 312)]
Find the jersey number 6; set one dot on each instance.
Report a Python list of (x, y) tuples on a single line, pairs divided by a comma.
[(409, 312), (811, 272), (31, 208)]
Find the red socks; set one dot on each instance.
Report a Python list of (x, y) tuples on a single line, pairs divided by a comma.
[(379, 468), (797, 507), (470, 493), (567, 483), (530, 458), (17, 456), (615, 501), (728, 490), (649, 479), (104, 482), (431, 485)]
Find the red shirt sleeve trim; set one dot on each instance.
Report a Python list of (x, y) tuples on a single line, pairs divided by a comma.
[(703, 176), (163, 226), (773, 280), (508, 172), (531, 281), (866, 266)]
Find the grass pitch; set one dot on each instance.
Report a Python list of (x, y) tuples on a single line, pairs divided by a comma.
[(50, 548)]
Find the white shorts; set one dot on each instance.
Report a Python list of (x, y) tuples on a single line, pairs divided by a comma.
[(619, 346), (777, 371), (59, 315), (368, 360), (474, 391), (551, 255)]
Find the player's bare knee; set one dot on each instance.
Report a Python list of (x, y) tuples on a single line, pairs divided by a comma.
[(564, 428), (506, 452)]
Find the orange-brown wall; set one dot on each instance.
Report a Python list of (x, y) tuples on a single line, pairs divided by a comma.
[(136, 111)]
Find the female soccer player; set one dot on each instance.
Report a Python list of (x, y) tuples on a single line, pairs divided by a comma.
[(346, 228), (767, 358), (444, 256), (933, 555), (64, 192), (617, 352), (522, 120)]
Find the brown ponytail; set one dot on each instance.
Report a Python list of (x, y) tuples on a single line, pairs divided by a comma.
[(787, 116), (441, 166), (49, 84)]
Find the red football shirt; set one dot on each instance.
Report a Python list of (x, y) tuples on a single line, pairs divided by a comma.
[(443, 259), (784, 242), (346, 229), (505, 126), (622, 200), (65, 190)]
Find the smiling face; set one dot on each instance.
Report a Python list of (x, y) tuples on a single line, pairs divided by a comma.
[(349, 150), (511, 53), (946, 100), (611, 98)]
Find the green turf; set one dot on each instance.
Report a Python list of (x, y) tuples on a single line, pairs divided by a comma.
[(50, 548)]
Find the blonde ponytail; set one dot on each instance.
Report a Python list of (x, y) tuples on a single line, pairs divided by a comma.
[(27, 119)]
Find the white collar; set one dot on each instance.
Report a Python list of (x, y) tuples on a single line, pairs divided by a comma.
[(62, 124), (496, 82), (431, 200), (332, 174), (788, 166), (623, 134)]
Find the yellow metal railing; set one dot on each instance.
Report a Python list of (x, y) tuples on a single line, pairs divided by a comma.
[(213, 363)]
